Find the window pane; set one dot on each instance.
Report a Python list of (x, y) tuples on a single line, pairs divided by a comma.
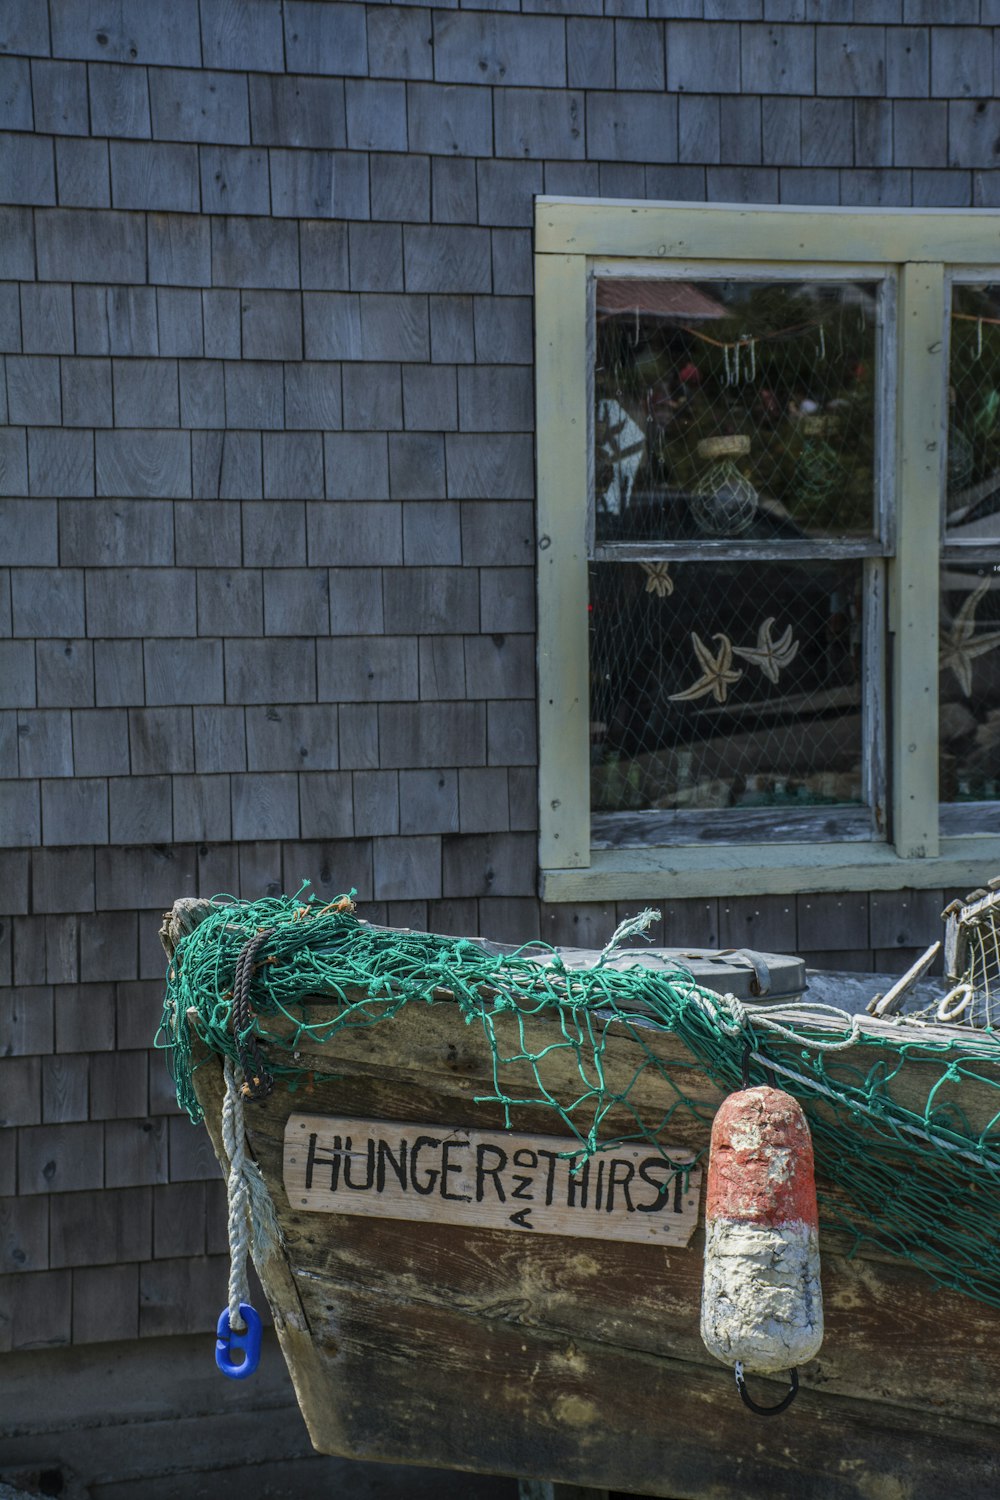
[(972, 506), (724, 685), (970, 682), (734, 409)]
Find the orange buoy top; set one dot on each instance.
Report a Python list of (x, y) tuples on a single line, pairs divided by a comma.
[(761, 1169)]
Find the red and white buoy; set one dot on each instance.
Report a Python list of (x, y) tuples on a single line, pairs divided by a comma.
[(762, 1306)]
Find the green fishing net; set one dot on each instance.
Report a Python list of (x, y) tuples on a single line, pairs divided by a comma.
[(905, 1117)]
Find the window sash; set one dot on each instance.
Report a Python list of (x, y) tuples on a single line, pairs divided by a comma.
[(961, 548), (846, 822), (704, 550), (965, 818), (880, 544)]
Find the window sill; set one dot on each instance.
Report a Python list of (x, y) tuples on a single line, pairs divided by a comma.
[(769, 869)]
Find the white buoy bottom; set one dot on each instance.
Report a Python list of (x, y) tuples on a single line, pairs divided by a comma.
[(761, 1303)]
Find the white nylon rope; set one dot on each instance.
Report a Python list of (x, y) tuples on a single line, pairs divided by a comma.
[(252, 1220), (766, 1017)]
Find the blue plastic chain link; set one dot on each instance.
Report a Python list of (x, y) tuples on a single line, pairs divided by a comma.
[(247, 1342)]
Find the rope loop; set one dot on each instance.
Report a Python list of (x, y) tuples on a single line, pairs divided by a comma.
[(766, 1411), (954, 1005)]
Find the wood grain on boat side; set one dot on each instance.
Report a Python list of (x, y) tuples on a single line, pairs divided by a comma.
[(429, 1045)]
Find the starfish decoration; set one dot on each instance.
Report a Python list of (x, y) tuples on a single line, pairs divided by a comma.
[(961, 645), (768, 654), (658, 579), (718, 675)]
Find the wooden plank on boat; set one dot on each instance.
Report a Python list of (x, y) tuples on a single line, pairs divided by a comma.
[(423, 1054), (425, 1046), (490, 1179), (430, 1048), (601, 1415), (493, 1393), (891, 1336)]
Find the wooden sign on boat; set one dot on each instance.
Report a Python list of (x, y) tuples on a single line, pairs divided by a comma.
[(478, 1345), (445, 1174)]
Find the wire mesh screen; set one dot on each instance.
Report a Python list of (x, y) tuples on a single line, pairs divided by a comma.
[(969, 713), (722, 684), (983, 974), (972, 508), (734, 409), (969, 694)]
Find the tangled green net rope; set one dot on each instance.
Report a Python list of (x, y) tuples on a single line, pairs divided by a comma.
[(906, 1125)]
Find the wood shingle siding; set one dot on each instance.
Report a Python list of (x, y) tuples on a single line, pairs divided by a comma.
[(267, 540), (83, 173)]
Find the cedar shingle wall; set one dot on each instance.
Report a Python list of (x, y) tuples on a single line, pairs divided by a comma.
[(266, 526)]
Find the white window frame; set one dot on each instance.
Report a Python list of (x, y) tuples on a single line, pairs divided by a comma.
[(925, 250)]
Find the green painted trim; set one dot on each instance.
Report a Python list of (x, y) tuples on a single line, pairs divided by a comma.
[(914, 571), (561, 345), (769, 869), (709, 231)]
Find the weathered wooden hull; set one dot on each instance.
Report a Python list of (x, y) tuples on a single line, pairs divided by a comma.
[(580, 1360)]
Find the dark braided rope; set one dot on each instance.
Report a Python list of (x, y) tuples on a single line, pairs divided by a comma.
[(257, 1080)]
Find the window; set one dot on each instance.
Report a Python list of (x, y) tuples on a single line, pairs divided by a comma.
[(750, 524)]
